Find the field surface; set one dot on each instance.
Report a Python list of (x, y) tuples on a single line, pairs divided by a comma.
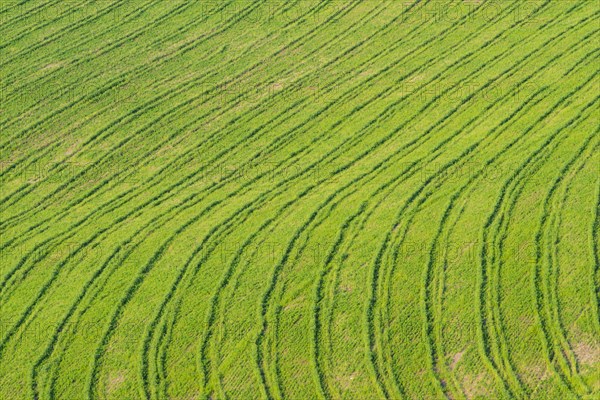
[(302, 199)]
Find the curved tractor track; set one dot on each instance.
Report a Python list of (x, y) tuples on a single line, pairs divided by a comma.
[(265, 199)]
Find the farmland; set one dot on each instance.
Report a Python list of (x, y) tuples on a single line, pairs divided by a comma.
[(266, 199)]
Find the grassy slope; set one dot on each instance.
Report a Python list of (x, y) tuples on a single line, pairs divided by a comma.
[(299, 199)]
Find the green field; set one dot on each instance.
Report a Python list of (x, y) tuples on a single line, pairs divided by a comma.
[(301, 199)]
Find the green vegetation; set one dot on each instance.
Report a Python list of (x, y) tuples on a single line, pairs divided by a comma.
[(303, 199)]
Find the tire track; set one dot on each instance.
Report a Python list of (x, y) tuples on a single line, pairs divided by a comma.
[(505, 192), (546, 248), (380, 256), (216, 308)]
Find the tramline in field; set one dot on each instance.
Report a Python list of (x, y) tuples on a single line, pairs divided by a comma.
[(264, 199)]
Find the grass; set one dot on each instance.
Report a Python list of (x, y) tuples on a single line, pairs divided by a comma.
[(299, 200)]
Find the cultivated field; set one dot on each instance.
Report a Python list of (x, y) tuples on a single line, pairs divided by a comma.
[(301, 199)]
